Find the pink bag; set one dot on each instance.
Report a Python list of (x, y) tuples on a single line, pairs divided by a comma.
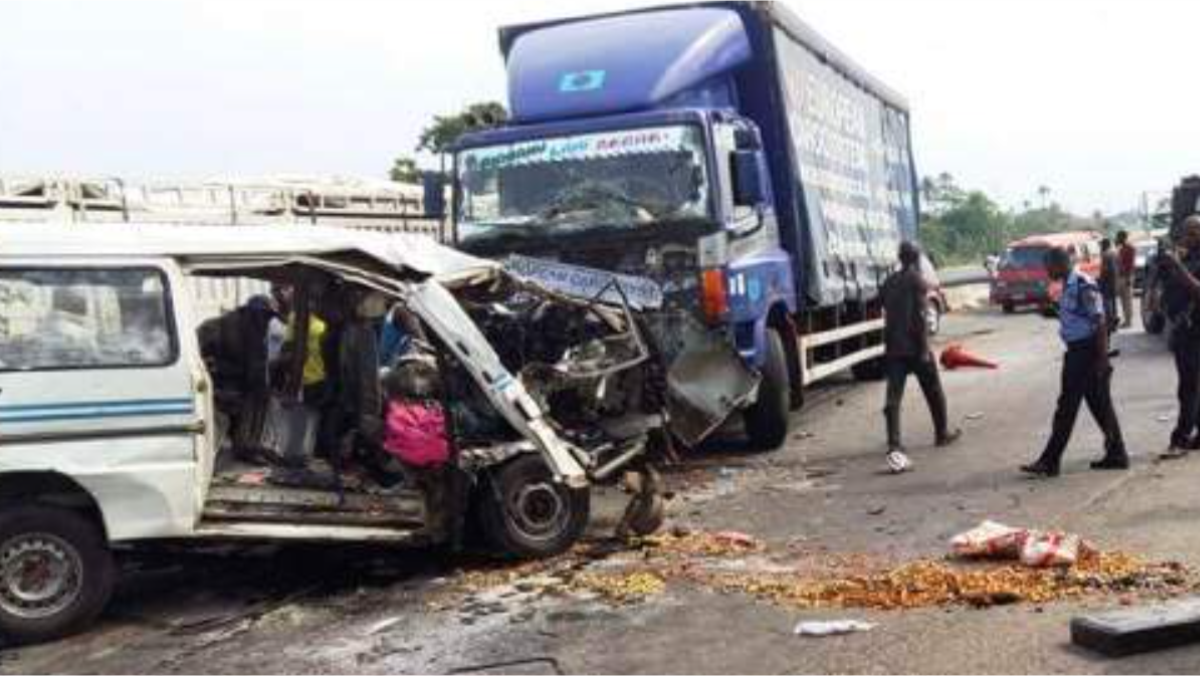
[(415, 434)]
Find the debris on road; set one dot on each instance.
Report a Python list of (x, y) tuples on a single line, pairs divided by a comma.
[(1033, 548), (1136, 630), (988, 539), (977, 415), (620, 588), (1040, 550), (831, 627), (736, 540), (932, 583)]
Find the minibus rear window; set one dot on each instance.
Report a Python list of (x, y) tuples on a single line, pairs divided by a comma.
[(84, 318)]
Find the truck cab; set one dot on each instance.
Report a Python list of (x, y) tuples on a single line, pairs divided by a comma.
[(741, 179)]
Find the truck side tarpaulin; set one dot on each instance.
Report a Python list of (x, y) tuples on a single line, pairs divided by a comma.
[(855, 170)]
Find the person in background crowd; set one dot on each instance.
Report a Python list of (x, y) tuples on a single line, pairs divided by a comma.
[(906, 331), (1109, 273), (396, 335), (1181, 299), (1086, 370), (1126, 268)]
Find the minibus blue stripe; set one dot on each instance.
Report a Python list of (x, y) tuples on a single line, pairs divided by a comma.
[(84, 410), (89, 404)]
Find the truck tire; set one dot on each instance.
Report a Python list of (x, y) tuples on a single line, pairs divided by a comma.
[(526, 514), (1008, 307), (56, 572), (766, 420)]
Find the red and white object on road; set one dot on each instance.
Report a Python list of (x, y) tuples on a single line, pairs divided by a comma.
[(1049, 550), (989, 540), (954, 356), (1033, 548)]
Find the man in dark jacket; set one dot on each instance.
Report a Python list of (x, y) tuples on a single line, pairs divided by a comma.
[(234, 346), (1109, 282), (1181, 300), (353, 414), (906, 334)]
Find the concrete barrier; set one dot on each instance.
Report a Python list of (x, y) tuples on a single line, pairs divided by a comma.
[(967, 296)]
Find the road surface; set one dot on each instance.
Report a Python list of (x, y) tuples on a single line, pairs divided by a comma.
[(360, 610)]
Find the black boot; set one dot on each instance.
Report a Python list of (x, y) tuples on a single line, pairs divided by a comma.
[(1115, 457), (948, 437), (1041, 468)]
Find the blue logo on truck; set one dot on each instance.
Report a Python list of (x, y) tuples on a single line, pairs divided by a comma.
[(581, 81)]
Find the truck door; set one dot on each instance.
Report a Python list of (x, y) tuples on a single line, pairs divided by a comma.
[(94, 384)]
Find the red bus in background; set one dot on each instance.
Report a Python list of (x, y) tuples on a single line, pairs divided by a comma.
[(1021, 278)]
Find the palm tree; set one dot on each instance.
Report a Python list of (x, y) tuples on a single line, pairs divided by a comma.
[(1044, 193)]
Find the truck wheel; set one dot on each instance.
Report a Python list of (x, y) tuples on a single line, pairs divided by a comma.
[(1008, 308), (56, 573), (1153, 322), (766, 419), (527, 514)]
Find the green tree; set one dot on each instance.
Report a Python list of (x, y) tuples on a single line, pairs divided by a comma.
[(441, 134), (404, 170), (970, 226)]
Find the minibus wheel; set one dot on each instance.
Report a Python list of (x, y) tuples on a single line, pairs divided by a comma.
[(56, 572), (526, 514)]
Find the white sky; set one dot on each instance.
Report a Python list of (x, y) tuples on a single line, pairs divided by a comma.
[(1098, 100)]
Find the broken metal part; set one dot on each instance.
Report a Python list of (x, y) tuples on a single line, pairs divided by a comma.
[(438, 308), (705, 384)]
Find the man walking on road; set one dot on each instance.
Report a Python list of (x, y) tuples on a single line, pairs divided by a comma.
[(906, 334), (1126, 268), (1086, 371), (1181, 299)]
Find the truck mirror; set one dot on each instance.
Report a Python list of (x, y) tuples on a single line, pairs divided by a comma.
[(746, 139), (434, 199), (748, 188)]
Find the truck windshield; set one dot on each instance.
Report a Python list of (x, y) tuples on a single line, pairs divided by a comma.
[(629, 179)]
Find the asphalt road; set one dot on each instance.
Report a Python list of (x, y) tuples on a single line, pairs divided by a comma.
[(313, 610)]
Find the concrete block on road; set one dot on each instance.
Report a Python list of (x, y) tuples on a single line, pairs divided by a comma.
[(1137, 630)]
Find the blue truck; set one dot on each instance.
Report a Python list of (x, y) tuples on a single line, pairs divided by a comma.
[(742, 180)]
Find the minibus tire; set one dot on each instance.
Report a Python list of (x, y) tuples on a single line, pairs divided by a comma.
[(766, 420), (77, 544), (526, 514)]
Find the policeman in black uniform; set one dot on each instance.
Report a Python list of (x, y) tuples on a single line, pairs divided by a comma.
[(1086, 371), (1181, 299)]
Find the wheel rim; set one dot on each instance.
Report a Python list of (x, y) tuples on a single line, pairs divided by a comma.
[(40, 575), (538, 511)]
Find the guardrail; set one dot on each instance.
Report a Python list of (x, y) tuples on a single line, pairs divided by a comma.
[(964, 276)]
